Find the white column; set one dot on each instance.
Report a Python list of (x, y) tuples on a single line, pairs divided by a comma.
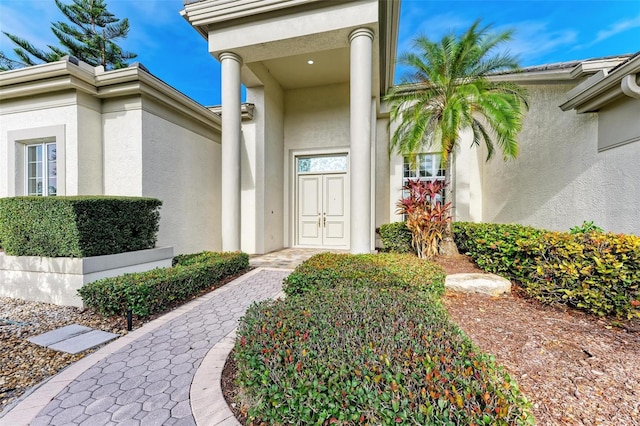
[(361, 41), (231, 141)]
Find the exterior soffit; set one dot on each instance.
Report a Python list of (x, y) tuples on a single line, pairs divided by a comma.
[(280, 37), (602, 88), (65, 75), (201, 14)]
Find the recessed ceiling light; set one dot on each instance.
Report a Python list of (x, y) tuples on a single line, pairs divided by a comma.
[(310, 61)]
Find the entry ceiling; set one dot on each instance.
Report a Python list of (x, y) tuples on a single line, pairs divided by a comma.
[(294, 72)]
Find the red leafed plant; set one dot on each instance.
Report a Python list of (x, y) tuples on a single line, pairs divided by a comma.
[(427, 217)]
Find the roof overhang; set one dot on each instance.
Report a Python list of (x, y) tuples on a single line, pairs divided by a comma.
[(228, 26), (606, 86), (71, 74)]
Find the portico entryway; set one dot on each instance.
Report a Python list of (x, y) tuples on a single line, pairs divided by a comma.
[(322, 201)]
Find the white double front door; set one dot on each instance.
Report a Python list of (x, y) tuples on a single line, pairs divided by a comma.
[(323, 210)]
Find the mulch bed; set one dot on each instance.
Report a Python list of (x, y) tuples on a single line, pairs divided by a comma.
[(24, 364), (575, 369)]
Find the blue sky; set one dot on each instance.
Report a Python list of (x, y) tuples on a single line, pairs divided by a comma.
[(547, 31)]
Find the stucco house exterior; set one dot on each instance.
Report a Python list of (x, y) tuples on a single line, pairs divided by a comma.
[(304, 161)]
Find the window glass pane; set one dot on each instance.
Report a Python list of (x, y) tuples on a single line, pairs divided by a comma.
[(53, 186), (426, 167), (41, 169), (336, 163), (52, 170), (34, 186)]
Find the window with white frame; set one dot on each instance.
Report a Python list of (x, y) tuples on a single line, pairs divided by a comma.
[(41, 170), (425, 167)]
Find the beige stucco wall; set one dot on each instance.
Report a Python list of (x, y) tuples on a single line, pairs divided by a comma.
[(273, 174), (88, 153), (181, 166), (316, 121), (295, 33), (27, 116), (262, 168), (381, 172), (122, 135), (317, 117), (124, 146), (560, 179), (619, 123)]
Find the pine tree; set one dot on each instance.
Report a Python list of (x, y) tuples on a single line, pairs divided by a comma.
[(89, 36)]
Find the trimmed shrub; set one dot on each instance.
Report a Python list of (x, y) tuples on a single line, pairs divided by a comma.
[(368, 356), (146, 293), (80, 226), (396, 237), (328, 270), (595, 272), (494, 247), (592, 271)]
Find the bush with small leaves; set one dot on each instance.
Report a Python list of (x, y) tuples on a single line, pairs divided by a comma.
[(327, 270), (146, 293), (396, 237), (368, 355), (593, 271)]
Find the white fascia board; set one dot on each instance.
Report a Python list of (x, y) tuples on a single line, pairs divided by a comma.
[(134, 81), (600, 89), (549, 76), (390, 13), (212, 12), (49, 85), (83, 77)]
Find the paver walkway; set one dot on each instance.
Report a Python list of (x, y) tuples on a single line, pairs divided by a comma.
[(147, 381)]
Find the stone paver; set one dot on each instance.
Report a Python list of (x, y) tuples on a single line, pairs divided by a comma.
[(148, 380), (288, 258), (72, 339)]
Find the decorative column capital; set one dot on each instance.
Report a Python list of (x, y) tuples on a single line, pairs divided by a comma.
[(366, 32), (230, 55)]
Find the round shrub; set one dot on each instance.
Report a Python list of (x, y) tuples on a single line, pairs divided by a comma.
[(386, 270), (368, 356)]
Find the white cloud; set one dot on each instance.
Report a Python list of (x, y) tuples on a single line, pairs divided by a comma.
[(617, 28), (533, 40)]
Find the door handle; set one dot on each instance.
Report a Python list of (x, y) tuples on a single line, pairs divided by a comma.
[(318, 220), (324, 221)]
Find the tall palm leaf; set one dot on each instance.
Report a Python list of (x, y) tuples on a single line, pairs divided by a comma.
[(448, 91)]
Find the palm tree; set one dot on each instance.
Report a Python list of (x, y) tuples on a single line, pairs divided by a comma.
[(449, 90)]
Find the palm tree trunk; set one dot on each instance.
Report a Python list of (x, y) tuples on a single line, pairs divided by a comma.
[(447, 245)]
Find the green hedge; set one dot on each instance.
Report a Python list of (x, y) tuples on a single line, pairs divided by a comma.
[(146, 293), (79, 226), (396, 238), (384, 270), (367, 355), (592, 271)]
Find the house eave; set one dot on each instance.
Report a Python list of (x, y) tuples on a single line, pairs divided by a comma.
[(601, 88), (134, 80), (201, 14), (388, 32), (68, 75), (33, 80), (539, 77)]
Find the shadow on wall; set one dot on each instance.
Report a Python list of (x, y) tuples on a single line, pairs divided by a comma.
[(559, 179)]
